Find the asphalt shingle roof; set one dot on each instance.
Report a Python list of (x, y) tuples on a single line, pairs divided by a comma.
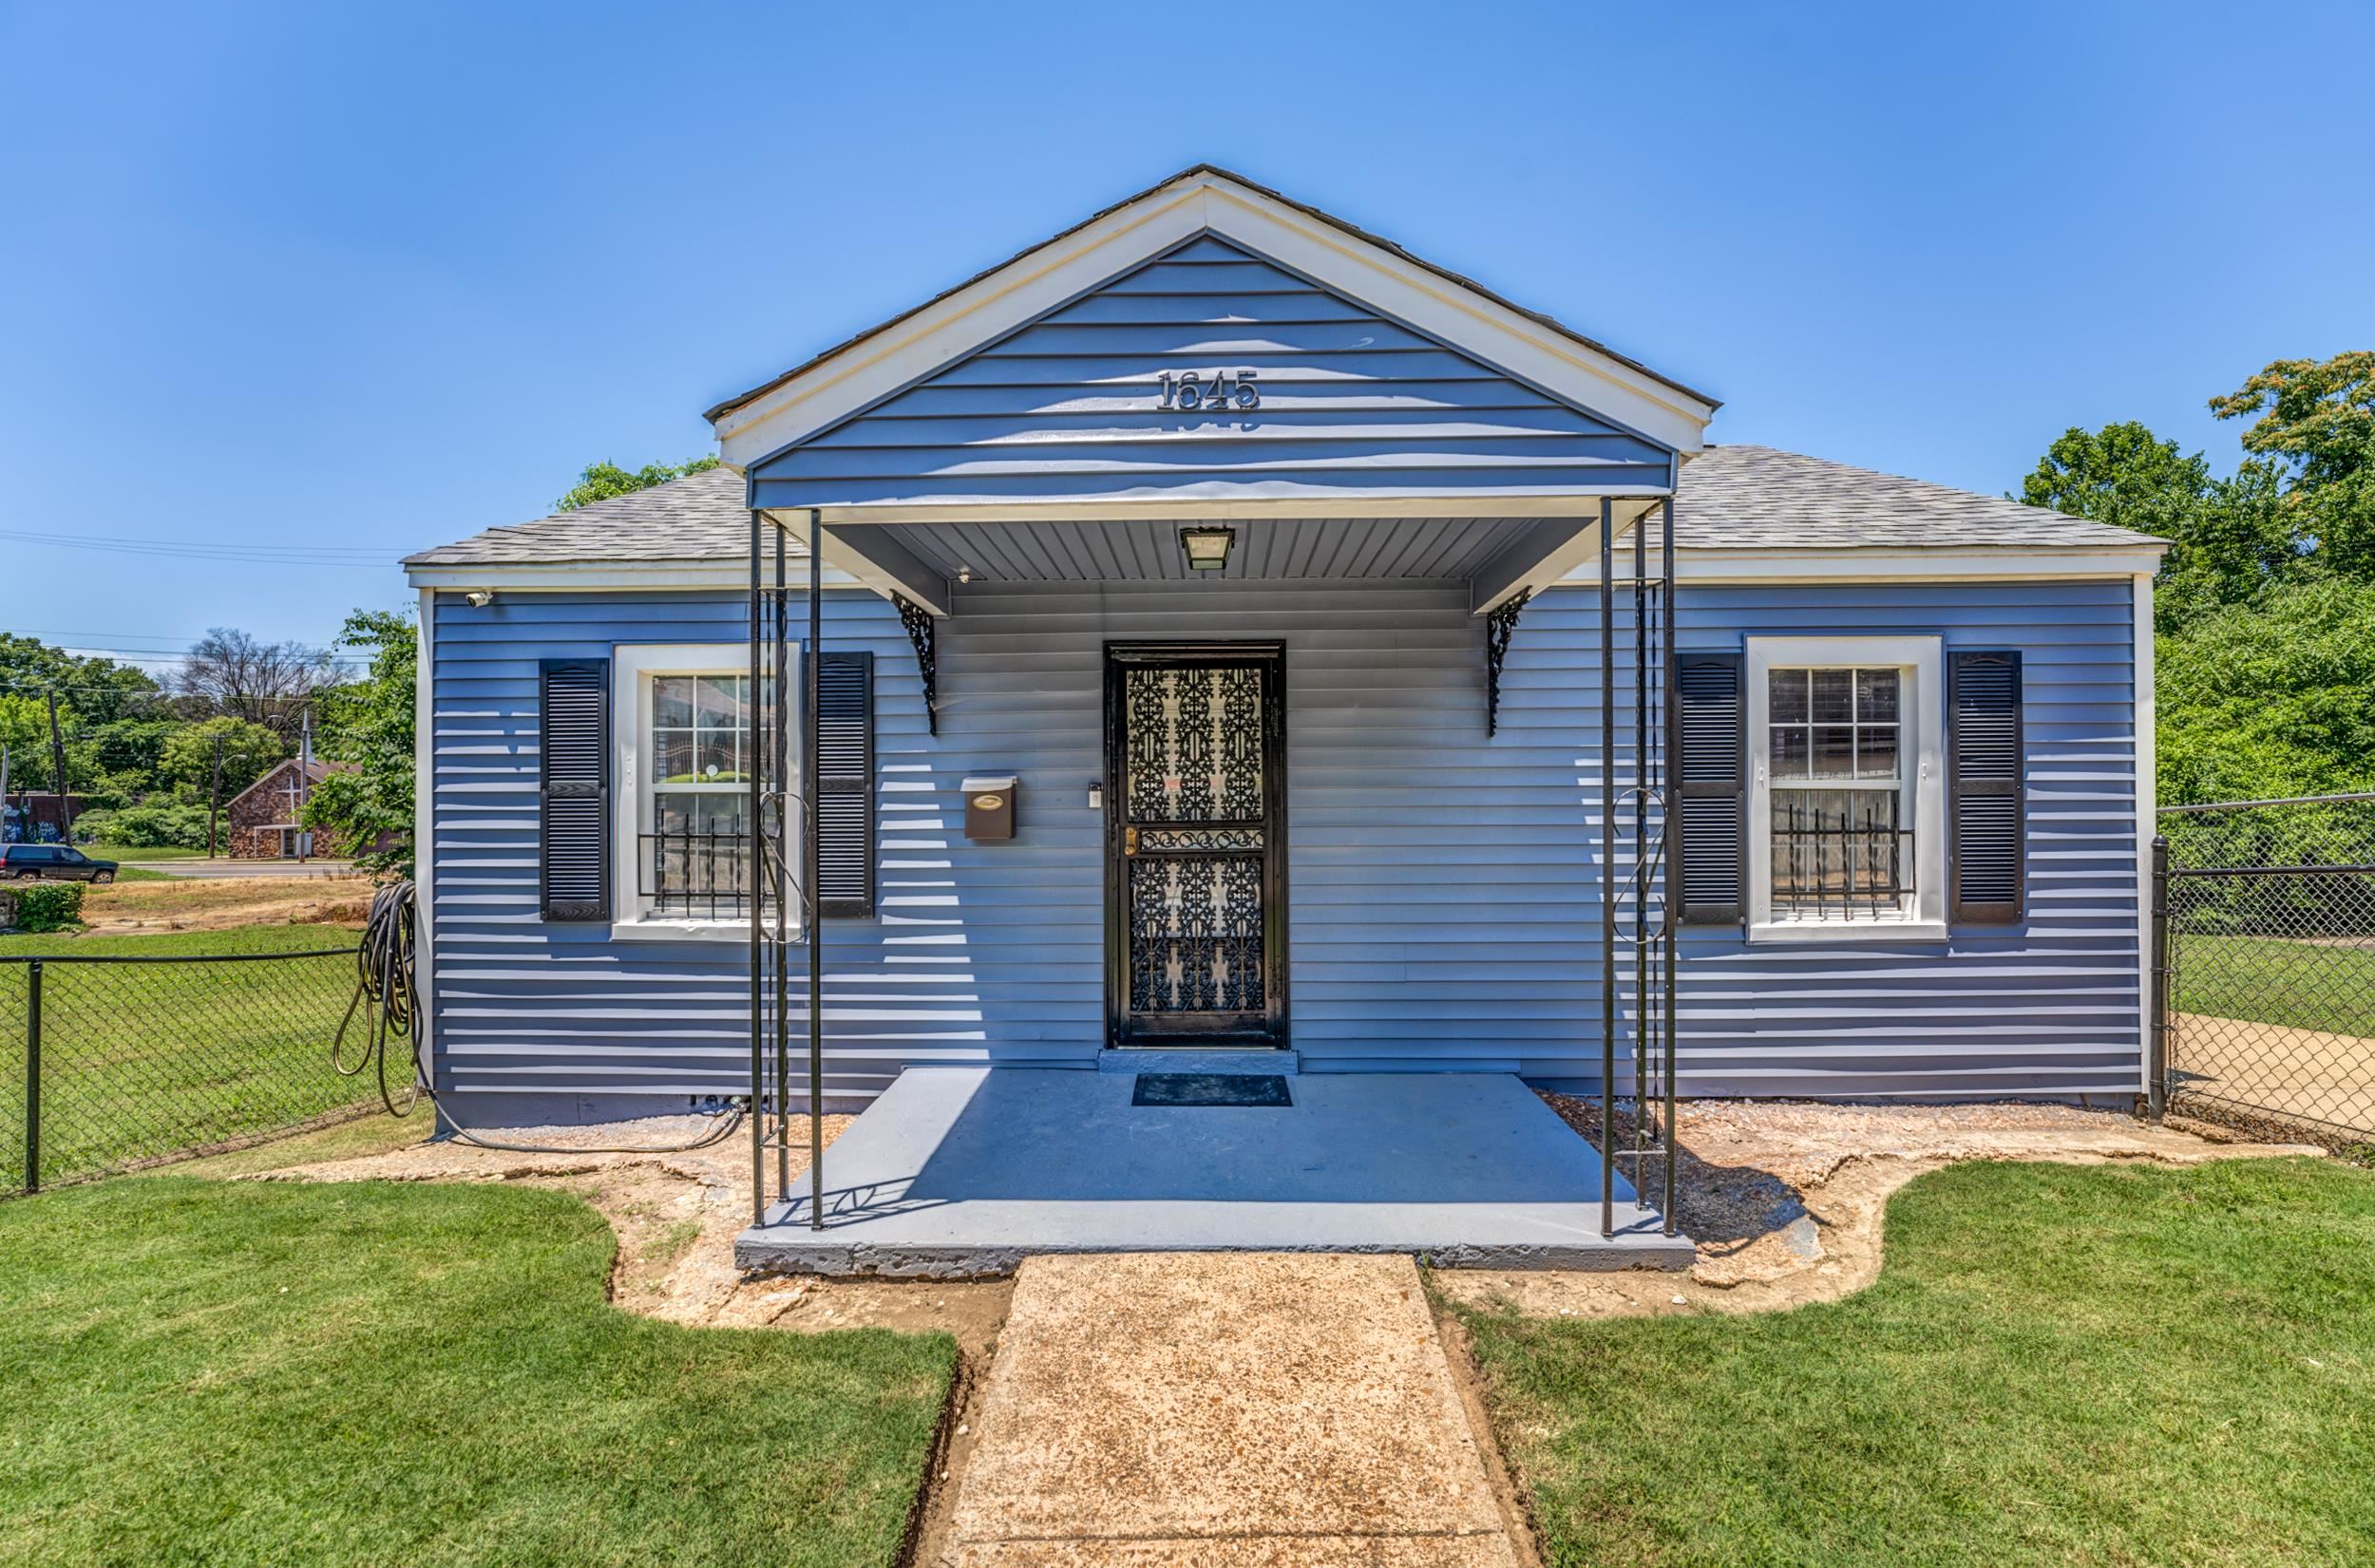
[(1731, 497)]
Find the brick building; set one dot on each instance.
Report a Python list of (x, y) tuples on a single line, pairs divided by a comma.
[(260, 822)]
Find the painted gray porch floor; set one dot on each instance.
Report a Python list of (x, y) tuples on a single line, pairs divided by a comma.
[(959, 1172)]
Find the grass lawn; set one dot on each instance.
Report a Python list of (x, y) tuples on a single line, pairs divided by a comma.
[(140, 852), (2058, 1365), (2304, 985), (377, 1374), (141, 1061)]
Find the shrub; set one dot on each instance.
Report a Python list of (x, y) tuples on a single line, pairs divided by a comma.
[(145, 827), (48, 906)]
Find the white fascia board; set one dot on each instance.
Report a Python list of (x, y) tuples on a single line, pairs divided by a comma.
[(598, 576), (2147, 822), (1334, 504), (425, 833), (1058, 272)]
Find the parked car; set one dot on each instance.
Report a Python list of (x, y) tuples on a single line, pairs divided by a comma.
[(54, 862)]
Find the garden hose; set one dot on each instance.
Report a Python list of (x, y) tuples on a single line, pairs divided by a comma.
[(388, 991)]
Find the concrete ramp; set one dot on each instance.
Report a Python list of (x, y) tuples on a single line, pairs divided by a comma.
[(962, 1172)]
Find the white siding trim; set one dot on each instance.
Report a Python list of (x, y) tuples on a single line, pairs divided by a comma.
[(1924, 658), (632, 666), (424, 829), (2147, 823)]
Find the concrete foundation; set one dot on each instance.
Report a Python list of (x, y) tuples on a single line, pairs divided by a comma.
[(963, 1172)]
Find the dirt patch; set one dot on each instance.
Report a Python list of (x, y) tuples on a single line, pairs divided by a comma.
[(126, 908), (677, 1216), (1786, 1200)]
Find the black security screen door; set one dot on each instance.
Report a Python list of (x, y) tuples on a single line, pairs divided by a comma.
[(1196, 843)]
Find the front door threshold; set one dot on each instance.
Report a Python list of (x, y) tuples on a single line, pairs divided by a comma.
[(1205, 1059)]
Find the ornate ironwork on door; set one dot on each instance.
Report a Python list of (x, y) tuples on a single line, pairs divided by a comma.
[(1196, 755)]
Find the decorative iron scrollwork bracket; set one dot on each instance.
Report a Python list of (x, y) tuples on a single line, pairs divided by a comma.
[(1500, 623), (922, 631)]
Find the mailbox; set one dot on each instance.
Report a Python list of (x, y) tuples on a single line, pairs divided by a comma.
[(990, 807)]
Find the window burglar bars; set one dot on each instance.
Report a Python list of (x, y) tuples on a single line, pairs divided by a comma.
[(1839, 865), (701, 875)]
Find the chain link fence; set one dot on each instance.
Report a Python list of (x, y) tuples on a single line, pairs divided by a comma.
[(2269, 967), (111, 1063)]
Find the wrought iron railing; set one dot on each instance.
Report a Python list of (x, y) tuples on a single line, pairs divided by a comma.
[(695, 875), (1849, 864)]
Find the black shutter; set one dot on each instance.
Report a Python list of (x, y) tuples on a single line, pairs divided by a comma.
[(844, 781), (1713, 821), (1984, 793), (574, 741)]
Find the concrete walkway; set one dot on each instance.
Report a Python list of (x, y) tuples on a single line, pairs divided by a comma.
[(1222, 1411)]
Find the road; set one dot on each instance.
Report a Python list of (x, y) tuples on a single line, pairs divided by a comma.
[(247, 868)]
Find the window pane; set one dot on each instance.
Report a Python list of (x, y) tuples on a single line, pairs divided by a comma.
[(1832, 695), (713, 758), (1789, 751), (698, 858), (1786, 695), (719, 699), (1834, 752), (1875, 752), (1837, 853), (672, 701), (1876, 696), (672, 755)]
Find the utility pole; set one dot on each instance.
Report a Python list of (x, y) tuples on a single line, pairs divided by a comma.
[(214, 801), (57, 754), (305, 786), (4, 794)]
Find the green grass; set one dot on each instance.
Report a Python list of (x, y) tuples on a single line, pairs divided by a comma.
[(380, 1373), (2304, 985), (140, 852), (141, 1061), (2058, 1365)]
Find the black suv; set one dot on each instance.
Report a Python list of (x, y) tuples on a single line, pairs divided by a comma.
[(58, 863)]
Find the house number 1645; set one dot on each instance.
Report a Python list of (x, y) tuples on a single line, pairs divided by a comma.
[(1209, 389)]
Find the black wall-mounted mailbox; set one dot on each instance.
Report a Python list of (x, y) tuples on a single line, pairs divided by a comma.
[(990, 807)]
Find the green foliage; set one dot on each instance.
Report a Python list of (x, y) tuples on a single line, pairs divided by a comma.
[(2265, 607), (248, 750), (157, 825), (601, 480), (369, 724), (100, 689), (48, 906)]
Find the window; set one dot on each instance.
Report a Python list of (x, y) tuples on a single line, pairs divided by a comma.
[(683, 808), (1845, 821)]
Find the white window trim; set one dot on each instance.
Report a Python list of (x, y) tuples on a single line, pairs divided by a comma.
[(1923, 721), (633, 666)]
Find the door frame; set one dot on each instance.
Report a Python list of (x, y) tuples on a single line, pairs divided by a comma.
[(1119, 1029)]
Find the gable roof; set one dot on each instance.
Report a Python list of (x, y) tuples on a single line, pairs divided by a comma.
[(1730, 498), (315, 771), (1196, 171), (1326, 253)]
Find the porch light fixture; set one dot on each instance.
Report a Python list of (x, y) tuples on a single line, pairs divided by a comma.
[(1206, 548)]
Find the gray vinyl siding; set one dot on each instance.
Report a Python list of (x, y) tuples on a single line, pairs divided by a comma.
[(1443, 893), (1352, 404)]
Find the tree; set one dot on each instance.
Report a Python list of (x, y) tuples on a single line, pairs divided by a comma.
[(2271, 699), (601, 480), (369, 724), (100, 689), (231, 673), (2316, 428), (248, 750)]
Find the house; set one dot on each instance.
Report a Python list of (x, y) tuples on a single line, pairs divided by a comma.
[(1239, 632), (261, 822)]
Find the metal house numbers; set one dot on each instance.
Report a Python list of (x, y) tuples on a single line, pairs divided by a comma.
[(1209, 389)]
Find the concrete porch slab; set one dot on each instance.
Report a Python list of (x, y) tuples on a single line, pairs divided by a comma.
[(962, 1172)]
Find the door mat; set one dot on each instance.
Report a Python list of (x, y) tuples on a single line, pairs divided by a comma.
[(1210, 1088)]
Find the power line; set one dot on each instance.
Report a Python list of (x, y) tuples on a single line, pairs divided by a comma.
[(249, 552)]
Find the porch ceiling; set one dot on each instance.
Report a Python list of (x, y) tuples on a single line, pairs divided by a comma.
[(1146, 549)]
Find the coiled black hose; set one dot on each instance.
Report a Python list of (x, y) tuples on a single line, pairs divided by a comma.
[(388, 992)]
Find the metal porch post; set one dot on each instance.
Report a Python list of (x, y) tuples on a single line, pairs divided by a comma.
[(811, 907), (779, 735), (756, 881), (1608, 868), (1670, 777)]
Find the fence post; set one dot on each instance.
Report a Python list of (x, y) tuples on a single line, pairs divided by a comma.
[(2156, 1066), (33, 1077)]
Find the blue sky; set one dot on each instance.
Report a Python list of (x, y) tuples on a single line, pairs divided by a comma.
[(320, 280)]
